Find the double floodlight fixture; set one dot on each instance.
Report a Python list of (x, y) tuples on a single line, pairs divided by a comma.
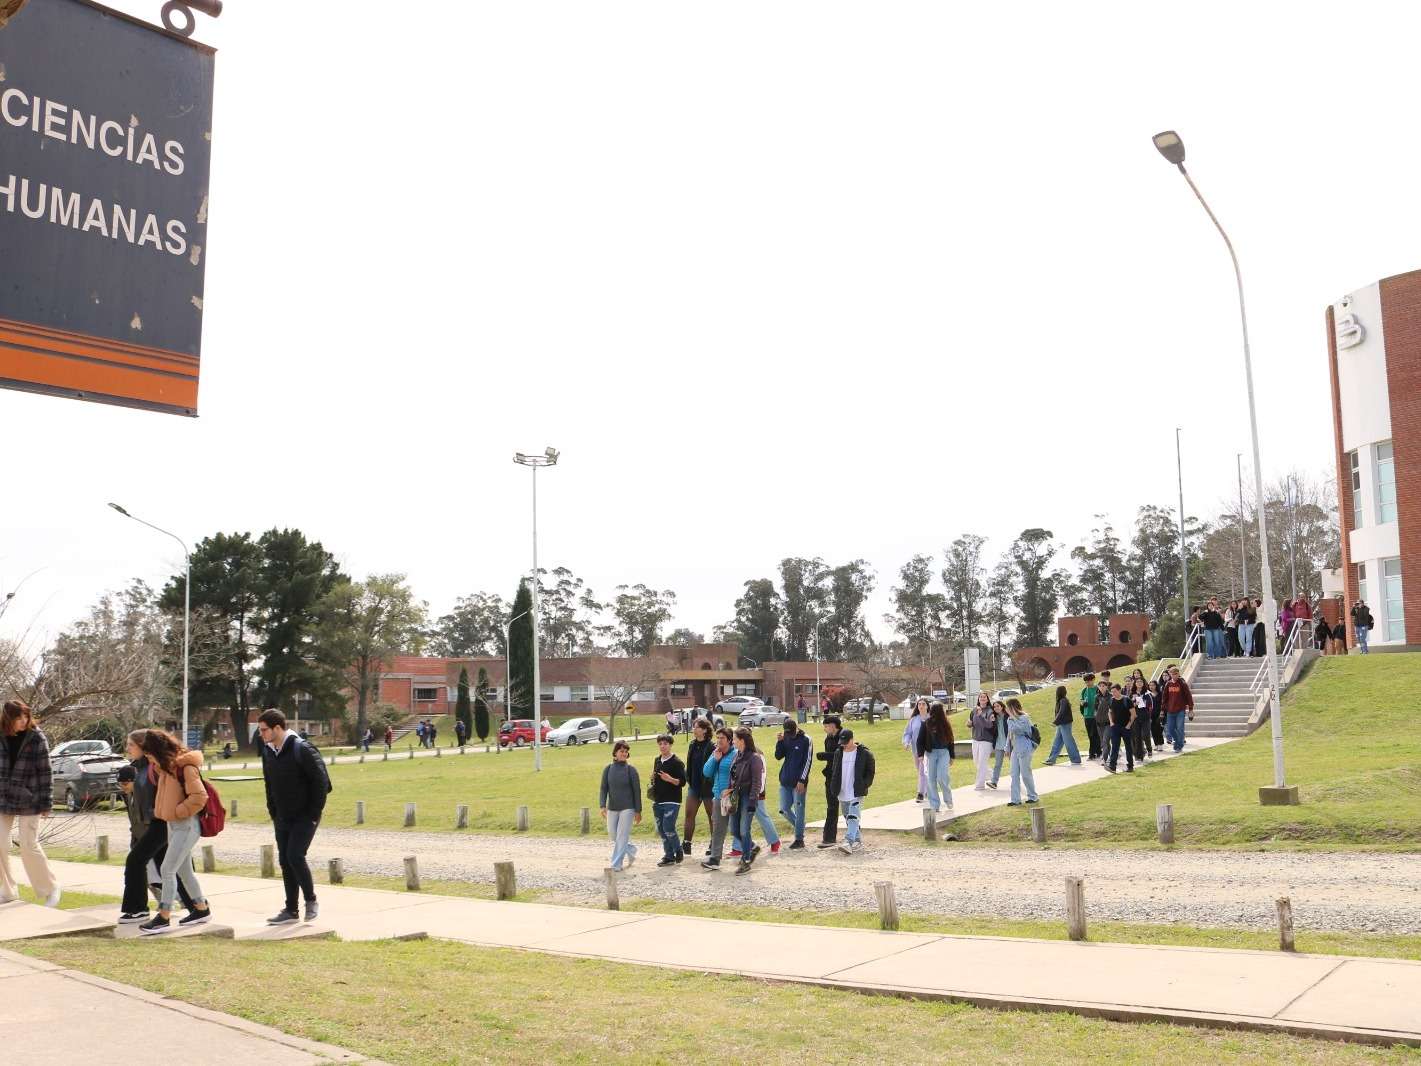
[(548, 458)]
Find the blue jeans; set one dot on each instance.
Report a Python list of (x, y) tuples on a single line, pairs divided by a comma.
[(1245, 638), (851, 811), (1066, 739), (619, 828), (1362, 633), (666, 815), (177, 863), (792, 807), (1120, 738), (766, 823), (997, 768), (1021, 754), (939, 777), (1214, 643), (744, 820), (1174, 729)]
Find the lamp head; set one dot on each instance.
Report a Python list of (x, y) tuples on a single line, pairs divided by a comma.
[(552, 454), (120, 510), (1171, 146)]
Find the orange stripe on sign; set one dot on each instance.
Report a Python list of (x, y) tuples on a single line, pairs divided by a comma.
[(58, 340), (97, 371)]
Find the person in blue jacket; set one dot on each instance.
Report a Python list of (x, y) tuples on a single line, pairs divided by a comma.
[(1023, 747), (796, 755), (717, 768)]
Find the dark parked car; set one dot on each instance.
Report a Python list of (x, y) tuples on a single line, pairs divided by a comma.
[(80, 781)]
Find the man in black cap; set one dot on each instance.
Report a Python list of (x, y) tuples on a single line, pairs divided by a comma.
[(849, 782), (831, 812)]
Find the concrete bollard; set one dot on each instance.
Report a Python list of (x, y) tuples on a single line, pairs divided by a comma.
[(522, 819), (409, 815), (929, 824), (359, 812), (385, 757), (1164, 823), (887, 905), (505, 882), (411, 873), (362, 759), (101, 842), (586, 820), (438, 752), (411, 753), (614, 903), (1038, 824), (336, 870), (1285, 924), (209, 859), (232, 813), (268, 860), (1075, 908), (461, 816)]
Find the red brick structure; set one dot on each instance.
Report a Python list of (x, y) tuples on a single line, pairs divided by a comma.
[(1374, 365), (1079, 649)]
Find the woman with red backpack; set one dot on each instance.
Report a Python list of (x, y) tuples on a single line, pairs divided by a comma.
[(181, 797)]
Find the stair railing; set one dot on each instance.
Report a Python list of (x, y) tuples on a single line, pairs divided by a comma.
[(1190, 643)]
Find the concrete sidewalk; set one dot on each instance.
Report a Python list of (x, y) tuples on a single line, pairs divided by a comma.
[(907, 816), (1372, 1000), (61, 1015)]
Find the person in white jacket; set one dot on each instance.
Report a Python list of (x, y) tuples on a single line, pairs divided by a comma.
[(911, 729)]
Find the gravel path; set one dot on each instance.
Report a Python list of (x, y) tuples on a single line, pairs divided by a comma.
[(1342, 891)]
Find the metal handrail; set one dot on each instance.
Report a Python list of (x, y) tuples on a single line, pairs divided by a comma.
[(1189, 642), (1289, 645)]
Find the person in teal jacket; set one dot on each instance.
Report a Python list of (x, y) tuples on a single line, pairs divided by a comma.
[(1000, 710), (717, 769)]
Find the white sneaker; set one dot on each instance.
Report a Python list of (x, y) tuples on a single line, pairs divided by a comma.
[(856, 846), (846, 848), (52, 900)]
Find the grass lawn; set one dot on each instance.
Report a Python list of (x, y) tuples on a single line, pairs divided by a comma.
[(1351, 745), (436, 1002), (71, 901)]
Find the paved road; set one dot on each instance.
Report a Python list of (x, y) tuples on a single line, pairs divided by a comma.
[(1378, 892)]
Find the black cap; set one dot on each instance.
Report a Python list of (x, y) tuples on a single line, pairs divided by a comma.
[(845, 734)]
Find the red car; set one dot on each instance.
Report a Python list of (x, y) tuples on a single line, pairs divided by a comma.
[(519, 732)]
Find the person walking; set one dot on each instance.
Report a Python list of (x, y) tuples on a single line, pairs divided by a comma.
[(850, 779), (431, 734), (1362, 623), (935, 741), (1141, 737), (1321, 634), (1122, 718), (1156, 715), (832, 728), (796, 755), (1089, 696), (1176, 700), (1213, 623), (296, 788), (984, 735), (668, 778), (747, 783), (180, 797), (619, 799), (419, 732), (389, 737), (148, 836), (1003, 742), (911, 731), (700, 793), (1064, 738), (1231, 642), (1023, 739), (717, 769), (1247, 620), (461, 732), (26, 797)]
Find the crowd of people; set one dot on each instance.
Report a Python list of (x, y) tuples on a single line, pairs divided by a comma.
[(1234, 628)]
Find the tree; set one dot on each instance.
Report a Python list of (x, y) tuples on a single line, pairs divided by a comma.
[(685, 638), (1152, 567), (1036, 599), (919, 613), (843, 629), (296, 574), (520, 654), (567, 613), (481, 687), (1167, 636), (473, 627), (1103, 572), (757, 620), (360, 628), (962, 577), (464, 708), (1001, 596), (802, 602), (621, 679), (641, 612)]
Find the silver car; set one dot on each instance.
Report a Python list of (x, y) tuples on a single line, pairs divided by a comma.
[(579, 731), (763, 715)]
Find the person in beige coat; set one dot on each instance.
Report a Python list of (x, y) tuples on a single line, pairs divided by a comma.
[(181, 795)]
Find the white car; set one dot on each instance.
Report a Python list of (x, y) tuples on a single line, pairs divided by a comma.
[(71, 748), (1005, 693), (579, 731), (736, 704)]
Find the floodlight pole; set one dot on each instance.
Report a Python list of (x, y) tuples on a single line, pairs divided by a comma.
[(548, 458)]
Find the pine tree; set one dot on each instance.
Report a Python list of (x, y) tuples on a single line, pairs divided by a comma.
[(481, 705), (520, 653), (463, 709)]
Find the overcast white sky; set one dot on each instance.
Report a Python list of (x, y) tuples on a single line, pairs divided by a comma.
[(829, 279)]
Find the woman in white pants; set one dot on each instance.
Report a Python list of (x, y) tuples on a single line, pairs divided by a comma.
[(983, 721), (26, 796), (911, 729)]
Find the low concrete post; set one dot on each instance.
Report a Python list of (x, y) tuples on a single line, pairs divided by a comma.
[(362, 757), (233, 812), (505, 882), (209, 859), (461, 816), (929, 824), (522, 819), (336, 870), (1285, 924), (359, 812), (1075, 908), (586, 820), (887, 905), (438, 752), (411, 873), (386, 756), (409, 815), (101, 842), (411, 753), (613, 902), (268, 860), (1038, 824), (1164, 823)]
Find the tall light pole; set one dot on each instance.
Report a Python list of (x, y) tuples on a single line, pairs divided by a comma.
[(548, 458), (1183, 548), (818, 691), (1172, 148), (1292, 537), (1242, 536), (187, 600)]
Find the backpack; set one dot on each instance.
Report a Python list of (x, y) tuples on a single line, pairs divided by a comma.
[(325, 774), (1035, 735), (212, 819)]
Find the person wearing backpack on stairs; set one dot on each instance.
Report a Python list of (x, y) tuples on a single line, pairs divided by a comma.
[(296, 789), (181, 796)]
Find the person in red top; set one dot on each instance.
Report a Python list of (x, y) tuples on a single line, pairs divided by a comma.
[(1177, 701)]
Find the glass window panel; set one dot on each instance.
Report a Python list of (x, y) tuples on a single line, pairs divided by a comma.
[(1393, 605)]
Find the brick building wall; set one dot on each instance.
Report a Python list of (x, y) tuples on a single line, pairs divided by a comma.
[(1401, 323)]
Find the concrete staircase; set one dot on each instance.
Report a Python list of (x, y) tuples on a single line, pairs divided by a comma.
[(1223, 703)]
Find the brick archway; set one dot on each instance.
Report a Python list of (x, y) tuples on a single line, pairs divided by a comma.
[(1078, 664)]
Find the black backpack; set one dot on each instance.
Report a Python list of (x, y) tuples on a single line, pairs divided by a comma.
[(325, 774)]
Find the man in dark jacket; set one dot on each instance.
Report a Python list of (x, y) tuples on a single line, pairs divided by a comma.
[(1362, 622), (296, 787), (1177, 700), (850, 780), (796, 756), (699, 788), (668, 778), (831, 810)]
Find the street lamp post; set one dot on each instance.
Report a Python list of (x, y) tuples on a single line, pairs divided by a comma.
[(818, 691), (187, 601), (1183, 544), (1171, 147), (1242, 536), (548, 458)]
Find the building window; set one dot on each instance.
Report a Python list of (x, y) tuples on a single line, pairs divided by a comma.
[(680, 688), (426, 695), (581, 693), (645, 696), (1391, 601), (1124, 636), (1386, 484), (745, 688), (547, 695), (807, 689), (1362, 582), (1354, 464)]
